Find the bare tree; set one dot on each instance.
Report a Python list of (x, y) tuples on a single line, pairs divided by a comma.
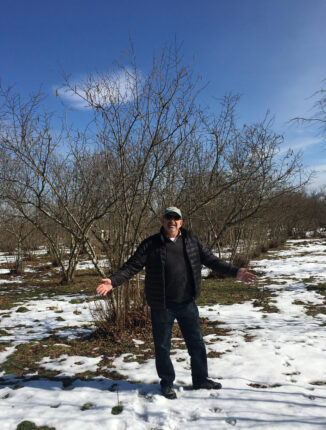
[(236, 172), (17, 231), (143, 125), (319, 116), (48, 187)]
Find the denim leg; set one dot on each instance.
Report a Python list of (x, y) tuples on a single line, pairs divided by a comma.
[(162, 323), (189, 323)]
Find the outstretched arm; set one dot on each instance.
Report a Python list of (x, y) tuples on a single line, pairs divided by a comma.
[(134, 265), (220, 266)]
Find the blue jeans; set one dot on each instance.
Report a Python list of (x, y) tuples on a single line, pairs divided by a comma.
[(187, 315)]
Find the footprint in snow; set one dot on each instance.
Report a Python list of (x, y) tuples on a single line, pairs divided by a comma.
[(216, 410), (140, 410), (194, 416), (145, 395)]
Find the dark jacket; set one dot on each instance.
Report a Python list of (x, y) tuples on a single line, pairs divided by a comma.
[(151, 254)]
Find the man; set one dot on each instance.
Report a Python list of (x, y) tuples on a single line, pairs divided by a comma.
[(173, 260)]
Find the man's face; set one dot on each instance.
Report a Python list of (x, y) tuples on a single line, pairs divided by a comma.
[(171, 223)]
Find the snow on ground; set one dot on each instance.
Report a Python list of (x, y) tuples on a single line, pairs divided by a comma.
[(275, 379), (70, 365), (5, 258), (42, 316), (11, 281), (4, 271)]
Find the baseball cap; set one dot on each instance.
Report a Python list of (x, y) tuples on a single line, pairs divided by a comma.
[(172, 209)]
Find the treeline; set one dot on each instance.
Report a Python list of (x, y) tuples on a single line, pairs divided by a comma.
[(295, 215), (149, 144)]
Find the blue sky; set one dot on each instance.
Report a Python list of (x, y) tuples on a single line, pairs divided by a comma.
[(272, 52)]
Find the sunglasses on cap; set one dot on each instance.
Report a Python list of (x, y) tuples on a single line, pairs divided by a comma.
[(174, 217)]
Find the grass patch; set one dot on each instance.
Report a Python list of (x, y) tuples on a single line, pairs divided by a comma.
[(313, 310), (76, 301), (248, 337), (116, 410), (264, 386), (318, 383), (265, 305), (3, 333), (318, 288), (87, 406), (29, 425), (215, 354), (49, 287), (213, 327), (22, 309), (298, 302), (24, 359), (228, 292)]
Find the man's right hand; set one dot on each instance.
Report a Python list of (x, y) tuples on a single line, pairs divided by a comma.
[(105, 287)]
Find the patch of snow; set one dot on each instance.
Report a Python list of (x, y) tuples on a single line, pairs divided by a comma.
[(4, 271), (70, 365), (43, 316)]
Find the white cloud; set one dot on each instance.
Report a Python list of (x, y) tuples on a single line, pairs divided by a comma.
[(303, 143), (101, 89), (73, 100)]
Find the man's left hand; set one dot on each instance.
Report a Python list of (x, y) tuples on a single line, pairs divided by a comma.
[(245, 275)]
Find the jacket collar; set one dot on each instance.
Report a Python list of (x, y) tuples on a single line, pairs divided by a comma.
[(183, 231)]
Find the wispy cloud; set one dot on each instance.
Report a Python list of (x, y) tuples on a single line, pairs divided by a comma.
[(319, 168), (105, 89), (302, 144), (319, 177)]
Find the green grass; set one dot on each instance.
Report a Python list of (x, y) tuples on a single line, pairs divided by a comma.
[(24, 359), (318, 288), (87, 406), (38, 288), (22, 309), (29, 425), (313, 309), (265, 305), (226, 292), (116, 410), (76, 301), (3, 333), (229, 291)]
